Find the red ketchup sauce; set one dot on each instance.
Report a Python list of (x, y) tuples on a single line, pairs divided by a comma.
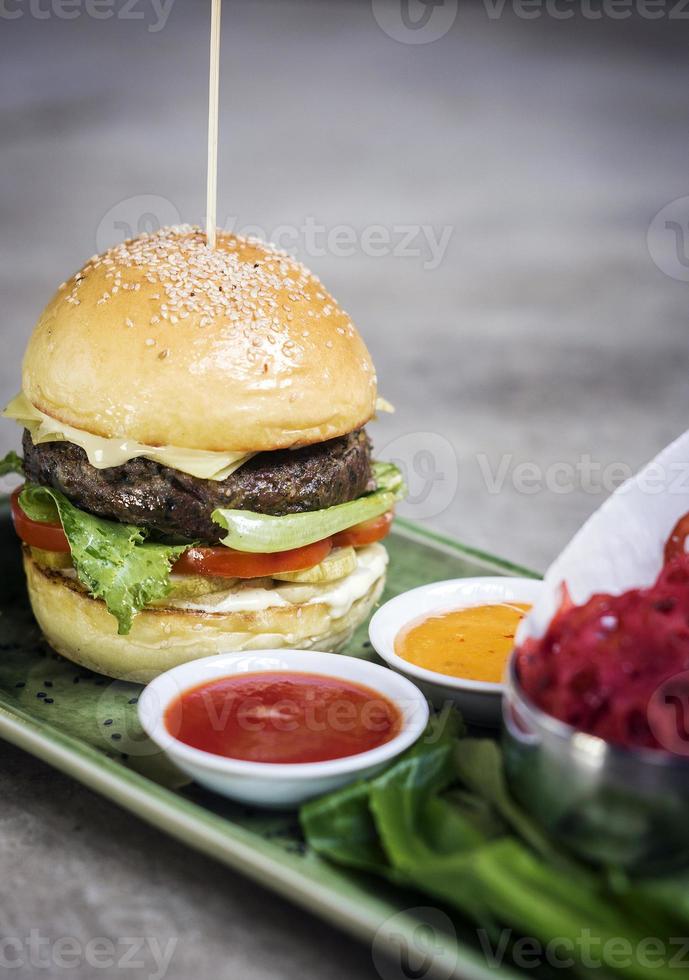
[(283, 717)]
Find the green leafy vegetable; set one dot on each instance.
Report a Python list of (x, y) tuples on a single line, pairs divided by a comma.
[(11, 464), (389, 477), (114, 561), (341, 825), (479, 766), (263, 533), (440, 819)]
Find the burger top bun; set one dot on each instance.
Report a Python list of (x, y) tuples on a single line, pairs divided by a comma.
[(165, 341)]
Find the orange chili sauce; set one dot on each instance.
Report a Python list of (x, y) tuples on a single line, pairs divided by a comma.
[(283, 717), (473, 643)]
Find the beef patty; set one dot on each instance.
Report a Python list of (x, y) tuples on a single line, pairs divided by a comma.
[(149, 495)]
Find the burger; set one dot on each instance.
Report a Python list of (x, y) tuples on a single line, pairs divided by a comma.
[(198, 474)]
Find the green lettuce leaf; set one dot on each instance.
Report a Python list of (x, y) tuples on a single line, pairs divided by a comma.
[(11, 464), (114, 561), (263, 533)]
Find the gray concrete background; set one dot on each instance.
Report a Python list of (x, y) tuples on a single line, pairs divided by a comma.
[(545, 335)]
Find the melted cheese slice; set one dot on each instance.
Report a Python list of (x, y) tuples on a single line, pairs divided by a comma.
[(105, 453)]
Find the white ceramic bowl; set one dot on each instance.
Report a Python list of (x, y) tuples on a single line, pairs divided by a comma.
[(278, 785), (479, 701)]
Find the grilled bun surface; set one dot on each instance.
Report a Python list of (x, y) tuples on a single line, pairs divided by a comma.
[(82, 630)]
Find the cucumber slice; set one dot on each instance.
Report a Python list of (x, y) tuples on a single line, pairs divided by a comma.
[(340, 562), (56, 560), (191, 586)]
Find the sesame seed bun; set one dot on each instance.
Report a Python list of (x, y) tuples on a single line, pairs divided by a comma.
[(82, 630), (164, 341)]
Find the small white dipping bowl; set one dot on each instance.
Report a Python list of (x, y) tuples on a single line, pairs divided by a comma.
[(279, 785), (479, 701)]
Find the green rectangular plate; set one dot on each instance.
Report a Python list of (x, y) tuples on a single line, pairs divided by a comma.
[(86, 726)]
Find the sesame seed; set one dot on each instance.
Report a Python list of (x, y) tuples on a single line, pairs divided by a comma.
[(191, 280)]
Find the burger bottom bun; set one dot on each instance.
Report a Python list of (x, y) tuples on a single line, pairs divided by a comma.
[(81, 629)]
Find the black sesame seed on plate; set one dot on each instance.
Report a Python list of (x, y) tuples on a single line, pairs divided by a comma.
[(48, 701), (133, 701), (116, 737), (47, 683), (108, 721), (41, 694)]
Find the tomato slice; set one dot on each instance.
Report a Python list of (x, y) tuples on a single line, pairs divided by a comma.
[(227, 563), (48, 537), (365, 533), (675, 545), (221, 562)]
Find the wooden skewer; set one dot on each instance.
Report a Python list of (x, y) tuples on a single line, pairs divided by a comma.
[(213, 102)]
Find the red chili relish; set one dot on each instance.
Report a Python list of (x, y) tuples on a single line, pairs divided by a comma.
[(617, 666), (282, 717)]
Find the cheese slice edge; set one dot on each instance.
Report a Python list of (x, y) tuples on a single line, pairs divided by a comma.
[(104, 453)]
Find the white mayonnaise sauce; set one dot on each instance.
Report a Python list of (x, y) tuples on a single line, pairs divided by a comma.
[(339, 596)]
